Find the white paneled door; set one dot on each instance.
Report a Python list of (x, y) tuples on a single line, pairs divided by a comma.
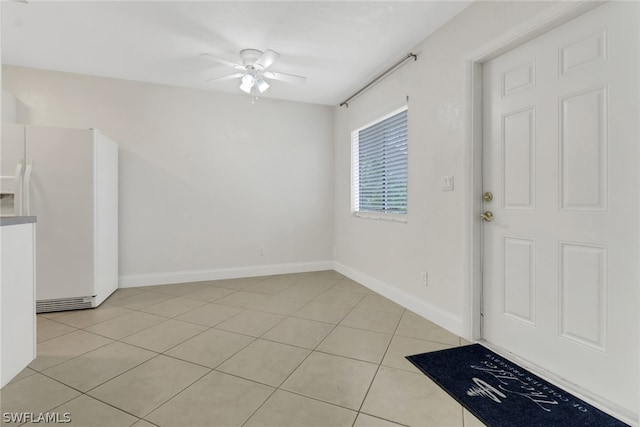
[(561, 281)]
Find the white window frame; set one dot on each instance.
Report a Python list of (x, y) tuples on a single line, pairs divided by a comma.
[(355, 176)]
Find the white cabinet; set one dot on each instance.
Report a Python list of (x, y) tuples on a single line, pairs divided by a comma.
[(17, 296)]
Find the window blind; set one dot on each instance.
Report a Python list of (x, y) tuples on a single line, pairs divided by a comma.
[(379, 162)]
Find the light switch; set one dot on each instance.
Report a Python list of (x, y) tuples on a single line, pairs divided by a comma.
[(447, 183)]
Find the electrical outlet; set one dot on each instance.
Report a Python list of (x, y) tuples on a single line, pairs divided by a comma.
[(425, 278), (261, 251)]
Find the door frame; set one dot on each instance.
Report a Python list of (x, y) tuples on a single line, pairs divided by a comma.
[(549, 19)]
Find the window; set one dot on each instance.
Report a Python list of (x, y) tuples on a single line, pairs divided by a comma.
[(379, 167)]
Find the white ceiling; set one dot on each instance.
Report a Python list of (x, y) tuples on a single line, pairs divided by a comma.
[(338, 45)]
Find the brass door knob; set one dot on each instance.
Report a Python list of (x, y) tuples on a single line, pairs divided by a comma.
[(487, 216), (487, 196)]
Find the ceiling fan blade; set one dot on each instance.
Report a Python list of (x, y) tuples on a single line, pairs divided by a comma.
[(223, 78), (223, 61), (291, 78), (266, 59)]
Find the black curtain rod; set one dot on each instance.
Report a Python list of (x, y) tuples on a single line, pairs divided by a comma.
[(380, 77)]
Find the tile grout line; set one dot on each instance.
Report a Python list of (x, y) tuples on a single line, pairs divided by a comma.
[(296, 368), (137, 416), (63, 403), (335, 282), (225, 373), (210, 369), (122, 373), (380, 364), (71, 358), (96, 386)]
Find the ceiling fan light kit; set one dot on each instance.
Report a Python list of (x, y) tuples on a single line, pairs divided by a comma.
[(262, 85), (247, 83), (253, 71)]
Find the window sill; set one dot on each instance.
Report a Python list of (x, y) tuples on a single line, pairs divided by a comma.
[(401, 218)]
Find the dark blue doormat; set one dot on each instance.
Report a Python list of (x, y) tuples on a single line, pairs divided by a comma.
[(502, 394)]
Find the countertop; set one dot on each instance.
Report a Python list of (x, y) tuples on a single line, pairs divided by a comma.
[(16, 220)]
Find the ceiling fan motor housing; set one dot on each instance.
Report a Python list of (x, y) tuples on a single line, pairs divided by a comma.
[(250, 56)]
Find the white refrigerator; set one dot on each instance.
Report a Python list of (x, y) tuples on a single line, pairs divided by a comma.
[(68, 179)]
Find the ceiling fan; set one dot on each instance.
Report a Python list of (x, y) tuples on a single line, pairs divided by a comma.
[(253, 71)]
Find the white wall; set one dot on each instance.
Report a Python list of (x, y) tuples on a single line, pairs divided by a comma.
[(206, 179), (13, 111), (184, 148), (390, 256)]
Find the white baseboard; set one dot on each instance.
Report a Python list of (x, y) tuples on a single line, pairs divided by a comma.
[(135, 280), (442, 318), (438, 316)]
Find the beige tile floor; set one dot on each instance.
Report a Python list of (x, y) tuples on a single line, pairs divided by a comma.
[(309, 349)]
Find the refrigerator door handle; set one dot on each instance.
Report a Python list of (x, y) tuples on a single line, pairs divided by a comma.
[(17, 190), (26, 184), (11, 185)]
